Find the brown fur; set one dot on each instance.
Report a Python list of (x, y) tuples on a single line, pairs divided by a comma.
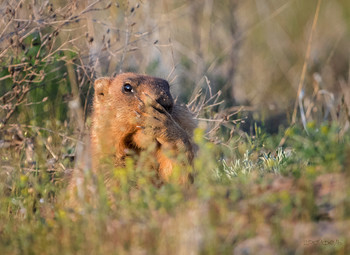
[(127, 122)]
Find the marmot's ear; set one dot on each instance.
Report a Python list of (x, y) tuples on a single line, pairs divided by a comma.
[(101, 87)]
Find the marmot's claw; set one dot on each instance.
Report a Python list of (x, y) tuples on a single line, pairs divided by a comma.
[(138, 115), (141, 105), (158, 109)]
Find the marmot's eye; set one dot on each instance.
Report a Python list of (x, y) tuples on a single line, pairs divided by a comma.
[(127, 88)]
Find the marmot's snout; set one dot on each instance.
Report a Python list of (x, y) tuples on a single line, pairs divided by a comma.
[(167, 102), (161, 93)]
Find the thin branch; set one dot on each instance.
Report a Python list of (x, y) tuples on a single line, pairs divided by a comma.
[(306, 60)]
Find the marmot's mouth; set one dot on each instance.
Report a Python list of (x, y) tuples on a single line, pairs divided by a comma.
[(130, 146), (168, 108)]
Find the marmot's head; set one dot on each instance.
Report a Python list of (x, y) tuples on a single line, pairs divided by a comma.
[(124, 92)]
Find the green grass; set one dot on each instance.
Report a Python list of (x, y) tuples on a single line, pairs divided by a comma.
[(250, 198)]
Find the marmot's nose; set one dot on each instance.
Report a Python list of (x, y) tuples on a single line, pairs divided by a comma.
[(160, 91), (166, 102)]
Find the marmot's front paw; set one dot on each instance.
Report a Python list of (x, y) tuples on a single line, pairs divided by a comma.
[(155, 121)]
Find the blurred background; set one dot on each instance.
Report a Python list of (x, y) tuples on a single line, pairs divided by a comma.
[(253, 51), (269, 59)]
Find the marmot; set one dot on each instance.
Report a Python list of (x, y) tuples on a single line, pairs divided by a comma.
[(130, 113)]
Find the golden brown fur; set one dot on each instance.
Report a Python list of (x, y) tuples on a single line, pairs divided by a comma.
[(132, 112)]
